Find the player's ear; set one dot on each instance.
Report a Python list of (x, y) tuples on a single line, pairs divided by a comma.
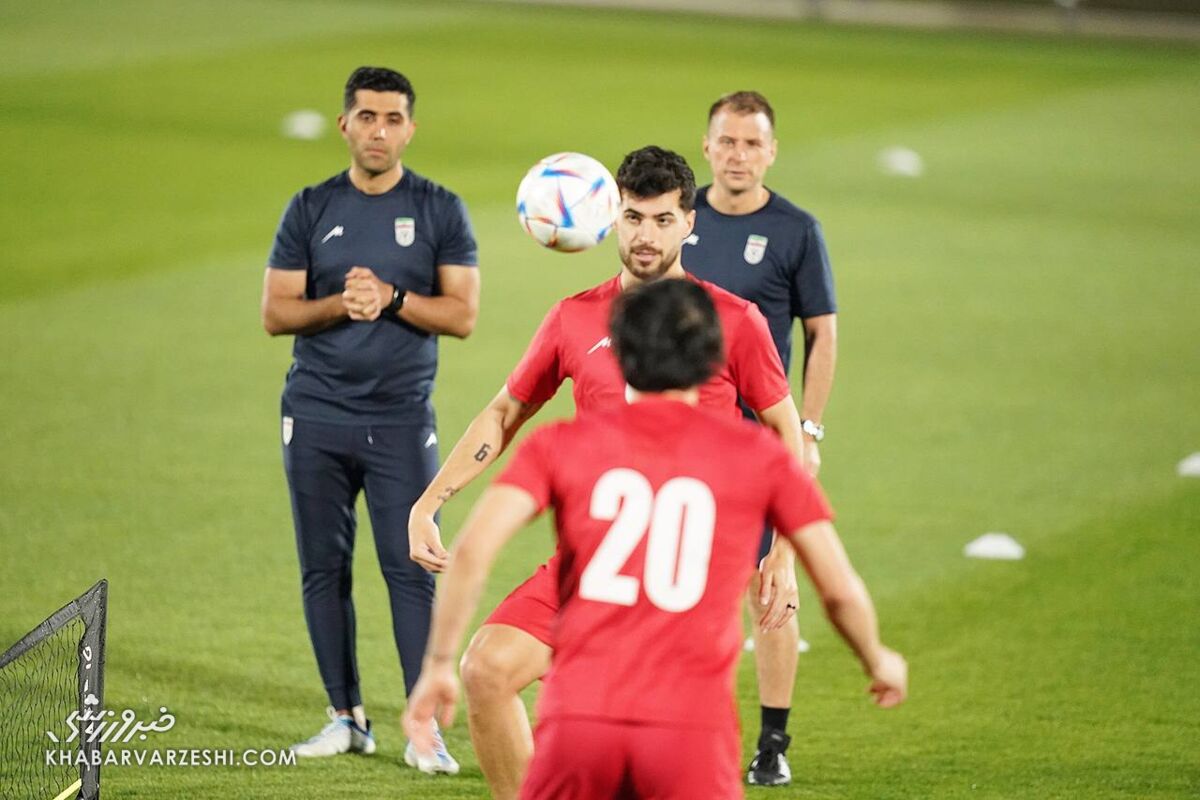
[(690, 219), (341, 123), (704, 146), (774, 150)]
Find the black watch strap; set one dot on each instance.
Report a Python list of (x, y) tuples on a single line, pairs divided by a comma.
[(397, 301)]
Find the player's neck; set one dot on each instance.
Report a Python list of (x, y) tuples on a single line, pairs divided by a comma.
[(375, 183), (689, 396), (735, 204)]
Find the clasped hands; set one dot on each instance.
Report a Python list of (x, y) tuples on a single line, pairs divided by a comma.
[(365, 295)]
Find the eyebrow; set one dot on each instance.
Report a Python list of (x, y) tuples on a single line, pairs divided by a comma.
[(363, 110)]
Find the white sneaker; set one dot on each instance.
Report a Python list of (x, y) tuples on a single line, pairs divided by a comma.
[(440, 761), (341, 735)]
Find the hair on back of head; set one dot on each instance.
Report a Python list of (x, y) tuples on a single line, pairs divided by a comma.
[(666, 335)]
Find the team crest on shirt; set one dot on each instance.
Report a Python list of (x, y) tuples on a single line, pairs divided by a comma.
[(406, 231), (756, 248), (289, 425)]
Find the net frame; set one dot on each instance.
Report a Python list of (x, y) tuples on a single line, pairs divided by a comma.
[(91, 608)]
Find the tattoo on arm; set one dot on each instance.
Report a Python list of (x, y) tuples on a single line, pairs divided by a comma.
[(447, 493), (482, 452)]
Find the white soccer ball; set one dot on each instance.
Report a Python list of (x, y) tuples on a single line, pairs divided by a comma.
[(568, 202)]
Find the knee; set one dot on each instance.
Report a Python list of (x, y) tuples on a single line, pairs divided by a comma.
[(488, 673)]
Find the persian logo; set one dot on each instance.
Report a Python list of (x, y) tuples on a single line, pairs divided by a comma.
[(406, 231), (756, 248)]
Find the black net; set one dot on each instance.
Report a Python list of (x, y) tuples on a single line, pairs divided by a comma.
[(48, 680)]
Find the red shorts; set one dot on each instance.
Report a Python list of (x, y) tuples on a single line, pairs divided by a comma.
[(533, 605), (590, 759)]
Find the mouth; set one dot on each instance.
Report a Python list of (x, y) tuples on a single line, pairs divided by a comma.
[(645, 257)]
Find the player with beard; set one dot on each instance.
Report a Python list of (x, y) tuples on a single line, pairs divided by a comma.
[(513, 648), (657, 510)]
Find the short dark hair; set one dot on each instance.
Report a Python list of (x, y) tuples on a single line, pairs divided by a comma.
[(378, 79), (652, 171), (746, 102), (666, 335)]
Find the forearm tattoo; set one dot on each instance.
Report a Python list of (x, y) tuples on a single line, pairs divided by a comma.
[(482, 452), (447, 493)]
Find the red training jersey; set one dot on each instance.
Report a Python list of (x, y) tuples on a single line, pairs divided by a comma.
[(573, 342), (659, 508)]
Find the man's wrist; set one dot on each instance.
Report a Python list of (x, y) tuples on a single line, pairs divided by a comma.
[(812, 429), (396, 302)]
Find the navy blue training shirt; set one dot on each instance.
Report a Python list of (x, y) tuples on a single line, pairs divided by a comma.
[(775, 258), (369, 372)]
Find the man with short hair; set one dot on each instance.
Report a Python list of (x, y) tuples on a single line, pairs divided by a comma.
[(367, 270), (754, 243), (657, 507), (513, 647)]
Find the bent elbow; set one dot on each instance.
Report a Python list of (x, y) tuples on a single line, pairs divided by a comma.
[(465, 326)]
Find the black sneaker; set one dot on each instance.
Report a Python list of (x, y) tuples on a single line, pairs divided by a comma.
[(770, 766)]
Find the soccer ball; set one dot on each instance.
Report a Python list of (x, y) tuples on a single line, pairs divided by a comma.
[(568, 202)]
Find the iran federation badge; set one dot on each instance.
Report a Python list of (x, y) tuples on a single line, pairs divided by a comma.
[(756, 248), (406, 231)]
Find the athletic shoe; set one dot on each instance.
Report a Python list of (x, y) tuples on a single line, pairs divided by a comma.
[(440, 761), (362, 740), (341, 735), (770, 766)]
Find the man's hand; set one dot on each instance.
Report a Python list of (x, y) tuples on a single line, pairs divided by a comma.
[(811, 454), (436, 690), (889, 678), (365, 296), (425, 541), (778, 592)]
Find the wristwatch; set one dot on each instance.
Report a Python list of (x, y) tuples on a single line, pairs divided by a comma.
[(816, 431), (397, 303)]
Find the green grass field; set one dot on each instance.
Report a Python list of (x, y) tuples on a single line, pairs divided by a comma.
[(1020, 351)]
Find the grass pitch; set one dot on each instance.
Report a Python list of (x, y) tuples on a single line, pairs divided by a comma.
[(1019, 352)]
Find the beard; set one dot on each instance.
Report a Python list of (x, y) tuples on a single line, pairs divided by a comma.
[(647, 273)]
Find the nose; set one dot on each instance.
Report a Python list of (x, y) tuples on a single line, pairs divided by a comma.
[(644, 232)]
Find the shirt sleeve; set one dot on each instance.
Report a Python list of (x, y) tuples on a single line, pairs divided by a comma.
[(812, 283), (754, 362), (457, 243), (539, 372), (796, 499), (530, 468), (290, 250)]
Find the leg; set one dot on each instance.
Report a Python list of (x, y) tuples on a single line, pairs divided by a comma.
[(501, 661), (324, 484), (776, 654), (398, 468)]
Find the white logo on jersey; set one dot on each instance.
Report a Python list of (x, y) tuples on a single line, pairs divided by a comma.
[(432, 440), (605, 342), (337, 230), (756, 247), (289, 425), (406, 231), (693, 239)]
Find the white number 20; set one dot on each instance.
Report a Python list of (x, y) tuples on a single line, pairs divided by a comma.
[(680, 520)]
